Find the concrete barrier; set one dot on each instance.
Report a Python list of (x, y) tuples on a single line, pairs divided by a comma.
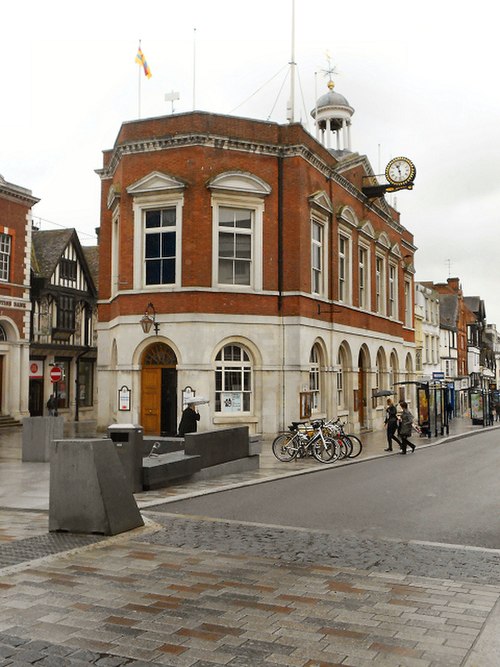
[(38, 434), (220, 446), (88, 490)]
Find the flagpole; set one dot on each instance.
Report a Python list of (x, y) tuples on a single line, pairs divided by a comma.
[(139, 88), (194, 69)]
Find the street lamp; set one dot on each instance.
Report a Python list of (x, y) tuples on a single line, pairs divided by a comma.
[(149, 320)]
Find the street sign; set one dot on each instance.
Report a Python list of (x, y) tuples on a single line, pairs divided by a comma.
[(56, 374), (438, 375)]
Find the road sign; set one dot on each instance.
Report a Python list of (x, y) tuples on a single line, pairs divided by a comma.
[(56, 374)]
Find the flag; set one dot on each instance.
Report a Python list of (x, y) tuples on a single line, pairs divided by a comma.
[(141, 60)]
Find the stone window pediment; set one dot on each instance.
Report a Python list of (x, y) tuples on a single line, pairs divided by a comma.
[(155, 182), (240, 181), (366, 228), (321, 200), (347, 215), (384, 241)]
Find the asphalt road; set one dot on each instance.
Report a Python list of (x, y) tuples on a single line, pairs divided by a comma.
[(449, 493)]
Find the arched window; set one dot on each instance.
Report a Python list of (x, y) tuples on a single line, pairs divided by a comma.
[(342, 365), (314, 378), (3, 334), (233, 380)]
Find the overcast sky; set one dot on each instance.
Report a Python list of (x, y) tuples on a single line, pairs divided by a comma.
[(422, 78)]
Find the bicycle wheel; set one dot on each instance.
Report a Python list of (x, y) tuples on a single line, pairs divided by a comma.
[(326, 452), (345, 447), (285, 447), (357, 446)]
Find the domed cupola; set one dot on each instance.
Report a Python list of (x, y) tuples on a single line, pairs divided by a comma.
[(332, 114)]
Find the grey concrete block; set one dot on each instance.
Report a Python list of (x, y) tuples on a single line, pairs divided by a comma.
[(215, 447), (38, 434), (88, 490), (158, 471)]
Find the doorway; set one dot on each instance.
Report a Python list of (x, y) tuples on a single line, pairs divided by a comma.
[(35, 404), (362, 387), (159, 390)]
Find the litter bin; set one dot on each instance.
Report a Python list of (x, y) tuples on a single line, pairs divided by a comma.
[(128, 439)]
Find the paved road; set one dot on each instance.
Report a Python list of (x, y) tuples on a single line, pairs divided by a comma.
[(441, 494), (395, 514)]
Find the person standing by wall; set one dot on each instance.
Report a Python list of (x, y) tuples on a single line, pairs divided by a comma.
[(189, 419), (391, 425), (406, 427)]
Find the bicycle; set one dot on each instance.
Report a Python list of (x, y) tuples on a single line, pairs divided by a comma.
[(352, 444), (300, 442)]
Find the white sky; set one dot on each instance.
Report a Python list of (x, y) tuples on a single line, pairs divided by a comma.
[(421, 76)]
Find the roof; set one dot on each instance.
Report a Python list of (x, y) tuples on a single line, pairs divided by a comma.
[(48, 248), (448, 310), (91, 253)]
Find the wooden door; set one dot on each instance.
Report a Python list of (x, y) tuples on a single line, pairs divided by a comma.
[(151, 400)]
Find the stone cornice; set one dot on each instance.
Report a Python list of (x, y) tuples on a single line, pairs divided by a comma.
[(329, 171)]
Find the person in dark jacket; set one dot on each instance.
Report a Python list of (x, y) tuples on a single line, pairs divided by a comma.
[(406, 427), (189, 419), (391, 425)]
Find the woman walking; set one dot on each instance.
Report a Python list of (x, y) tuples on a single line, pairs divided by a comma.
[(391, 425), (405, 428)]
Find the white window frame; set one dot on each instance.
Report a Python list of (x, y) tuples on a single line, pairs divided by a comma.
[(148, 203), (380, 284), (245, 368), (408, 303), (115, 253), (317, 258), (344, 268), (5, 256), (315, 378), (364, 283), (393, 291), (248, 202)]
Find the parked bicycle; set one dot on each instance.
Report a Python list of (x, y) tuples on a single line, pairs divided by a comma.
[(305, 440), (350, 445)]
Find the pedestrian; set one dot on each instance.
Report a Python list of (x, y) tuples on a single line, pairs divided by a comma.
[(497, 412), (51, 406), (188, 420), (391, 425), (405, 428)]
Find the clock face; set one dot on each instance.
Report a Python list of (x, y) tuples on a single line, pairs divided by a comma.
[(400, 170)]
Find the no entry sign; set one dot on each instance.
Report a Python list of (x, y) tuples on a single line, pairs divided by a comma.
[(56, 374)]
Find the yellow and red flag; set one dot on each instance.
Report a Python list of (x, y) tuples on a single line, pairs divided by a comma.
[(141, 60)]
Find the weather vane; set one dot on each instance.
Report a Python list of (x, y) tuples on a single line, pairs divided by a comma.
[(330, 70)]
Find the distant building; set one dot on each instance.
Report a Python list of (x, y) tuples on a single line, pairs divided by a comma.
[(272, 285), (15, 248), (64, 298), (427, 332)]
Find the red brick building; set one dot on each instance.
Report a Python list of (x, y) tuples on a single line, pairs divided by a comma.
[(277, 288), (15, 248)]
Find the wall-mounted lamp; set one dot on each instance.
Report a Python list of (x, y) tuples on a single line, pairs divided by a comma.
[(149, 320)]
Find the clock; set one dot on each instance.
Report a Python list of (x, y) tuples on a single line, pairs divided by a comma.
[(400, 171)]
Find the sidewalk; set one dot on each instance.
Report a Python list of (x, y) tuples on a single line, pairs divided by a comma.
[(131, 600)]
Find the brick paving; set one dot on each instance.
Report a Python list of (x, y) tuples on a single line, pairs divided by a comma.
[(183, 592)]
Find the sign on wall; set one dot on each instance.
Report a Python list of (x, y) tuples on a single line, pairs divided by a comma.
[(124, 399), (36, 369)]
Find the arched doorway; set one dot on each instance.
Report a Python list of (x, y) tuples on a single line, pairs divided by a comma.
[(363, 388), (159, 390)]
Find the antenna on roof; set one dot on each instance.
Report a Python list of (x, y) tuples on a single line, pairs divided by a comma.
[(448, 261)]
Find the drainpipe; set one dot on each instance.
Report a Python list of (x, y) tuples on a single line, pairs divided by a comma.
[(280, 283)]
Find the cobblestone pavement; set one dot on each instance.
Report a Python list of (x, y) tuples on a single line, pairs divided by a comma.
[(134, 601), (190, 592)]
